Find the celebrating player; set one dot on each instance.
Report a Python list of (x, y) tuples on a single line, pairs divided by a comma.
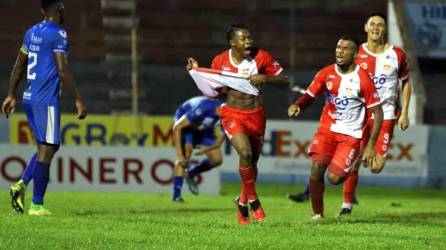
[(243, 115), (43, 57), (195, 122), (336, 144), (387, 66)]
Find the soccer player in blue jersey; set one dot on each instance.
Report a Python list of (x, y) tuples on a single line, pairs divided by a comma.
[(195, 122), (43, 57)]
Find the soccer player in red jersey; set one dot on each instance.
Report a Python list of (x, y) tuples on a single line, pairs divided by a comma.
[(336, 144), (243, 115), (387, 66)]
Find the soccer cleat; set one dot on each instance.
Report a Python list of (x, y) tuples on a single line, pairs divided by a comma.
[(17, 192), (317, 217), (191, 183), (345, 211), (178, 200), (257, 211), (38, 210), (242, 212), (301, 197)]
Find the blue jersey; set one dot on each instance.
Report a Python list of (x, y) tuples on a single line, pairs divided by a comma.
[(43, 81), (200, 112)]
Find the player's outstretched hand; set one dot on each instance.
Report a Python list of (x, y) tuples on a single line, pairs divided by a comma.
[(191, 63), (81, 110), (369, 155), (293, 110), (8, 106), (403, 122)]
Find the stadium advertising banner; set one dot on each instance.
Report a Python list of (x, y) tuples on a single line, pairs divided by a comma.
[(285, 156), (102, 130), (115, 169), (428, 26)]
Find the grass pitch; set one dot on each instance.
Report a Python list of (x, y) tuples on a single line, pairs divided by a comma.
[(386, 218)]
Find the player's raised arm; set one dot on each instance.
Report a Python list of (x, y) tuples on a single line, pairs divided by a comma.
[(10, 101), (68, 83)]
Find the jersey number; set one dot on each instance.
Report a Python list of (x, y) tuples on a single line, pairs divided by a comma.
[(32, 57)]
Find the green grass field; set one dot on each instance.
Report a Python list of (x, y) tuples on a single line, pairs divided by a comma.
[(385, 219)]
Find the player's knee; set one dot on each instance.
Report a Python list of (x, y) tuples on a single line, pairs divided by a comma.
[(216, 162), (335, 179), (317, 172), (245, 156), (378, 164)]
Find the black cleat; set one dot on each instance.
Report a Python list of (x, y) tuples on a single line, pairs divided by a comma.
[(345, 211), (301, 197)]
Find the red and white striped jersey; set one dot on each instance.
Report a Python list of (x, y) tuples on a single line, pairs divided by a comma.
[(348, 97), (385, 69)]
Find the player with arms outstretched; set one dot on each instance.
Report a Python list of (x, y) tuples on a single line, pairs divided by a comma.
[(43, 58), (243, 115), (336, 144), (195, 122), (387, 66)]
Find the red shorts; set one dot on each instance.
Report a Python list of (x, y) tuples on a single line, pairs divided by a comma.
[(384, 137), (250, 122), (336, 150)]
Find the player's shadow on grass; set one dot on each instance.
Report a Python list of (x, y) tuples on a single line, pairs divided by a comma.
[(154, 211), (417, 218)]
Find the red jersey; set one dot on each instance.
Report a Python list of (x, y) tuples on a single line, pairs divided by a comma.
[(386, 70), (348, 97), (261, 63)]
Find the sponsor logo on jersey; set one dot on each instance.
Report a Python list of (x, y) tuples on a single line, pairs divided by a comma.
[(364, 65), (329, 85), (245, 72), (362, 56), (348, 91), (387, 68)]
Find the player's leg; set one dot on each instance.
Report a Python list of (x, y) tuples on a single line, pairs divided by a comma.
[(382, 146), (301, 197), (47, 122), (18, 190), (349, 190), (179, 169), (256, 142)]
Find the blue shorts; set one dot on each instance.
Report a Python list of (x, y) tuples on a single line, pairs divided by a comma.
[(45, 122), (198, 137)]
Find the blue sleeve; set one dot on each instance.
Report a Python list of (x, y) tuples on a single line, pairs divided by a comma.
[(195, 116), (60, 41), (25, 45)]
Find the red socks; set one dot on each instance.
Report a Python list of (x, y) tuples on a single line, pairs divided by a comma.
[(350, 186), (317, 196), (248, 191)]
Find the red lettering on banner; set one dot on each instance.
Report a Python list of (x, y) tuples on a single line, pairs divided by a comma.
[(135, 172), (158, 134), (280, 142), (88, 173), (25, 133), (103, 170), (156, 165), (5, 165), (301, 148), (404, 152), (59, 170)]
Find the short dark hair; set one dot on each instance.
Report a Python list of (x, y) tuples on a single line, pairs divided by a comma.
[(376, 14), (47, 4), (351, 39), (230, 32)]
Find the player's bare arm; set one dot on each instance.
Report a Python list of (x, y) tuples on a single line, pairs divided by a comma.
[(203, 150), (68, 84), (403, 120), (177, 134), (369, 151), (17, 73)]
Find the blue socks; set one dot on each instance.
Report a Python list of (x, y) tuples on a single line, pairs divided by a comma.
[(177, 185), (41, 176), (203, 166), (28, 173)]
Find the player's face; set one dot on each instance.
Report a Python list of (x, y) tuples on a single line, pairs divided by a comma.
[(345, 52), (242, 42), (375, 28)]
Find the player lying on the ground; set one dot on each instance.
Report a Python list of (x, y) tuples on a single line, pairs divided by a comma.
[(195, 122), (43, 56), (336, 144)]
